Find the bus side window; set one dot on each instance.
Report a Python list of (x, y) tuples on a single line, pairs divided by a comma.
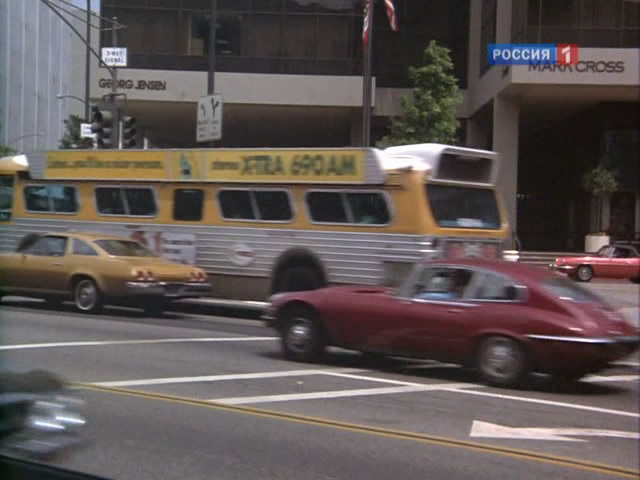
[(369, 208), (6, 197), (187, 204)]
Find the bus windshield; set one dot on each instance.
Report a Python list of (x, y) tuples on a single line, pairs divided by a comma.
[(463, 207)]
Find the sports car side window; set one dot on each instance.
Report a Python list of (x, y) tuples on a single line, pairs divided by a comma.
[(442, 284), (491, 286)]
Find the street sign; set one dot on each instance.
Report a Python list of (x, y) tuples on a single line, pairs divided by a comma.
[(114, 56), (85, 131), (209, 118)]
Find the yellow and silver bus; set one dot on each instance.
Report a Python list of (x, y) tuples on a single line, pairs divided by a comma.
[(263, 221)]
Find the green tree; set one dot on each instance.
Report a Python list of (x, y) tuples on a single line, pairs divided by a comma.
[(72, 138), (429, 115), (599, 182)]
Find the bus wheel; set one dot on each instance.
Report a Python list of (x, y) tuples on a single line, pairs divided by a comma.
[(295, 279)]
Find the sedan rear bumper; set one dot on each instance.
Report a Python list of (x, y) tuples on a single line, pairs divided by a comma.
[(168, 289)]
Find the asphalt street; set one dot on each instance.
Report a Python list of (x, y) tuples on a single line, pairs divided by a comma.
[(192, 396)]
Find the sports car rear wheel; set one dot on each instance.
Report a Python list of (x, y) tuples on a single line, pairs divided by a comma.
[(584, 273), (502, 362), (303, 338)]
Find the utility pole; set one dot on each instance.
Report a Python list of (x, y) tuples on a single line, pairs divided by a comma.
[(87, 67), (114, 87), (366, 77), (211, 76), (213, 22)]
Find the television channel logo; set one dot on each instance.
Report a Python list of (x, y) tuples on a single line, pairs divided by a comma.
[(533, 54)]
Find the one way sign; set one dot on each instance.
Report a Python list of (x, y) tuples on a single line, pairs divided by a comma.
[(209, 119)]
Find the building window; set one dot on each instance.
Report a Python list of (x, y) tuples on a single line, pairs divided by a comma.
[(126, 201), (50, 199), (489, 15), (257, 205), (187, 204), (363, 208)]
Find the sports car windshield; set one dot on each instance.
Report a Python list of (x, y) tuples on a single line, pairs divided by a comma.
[(566, 289), (124, 248)]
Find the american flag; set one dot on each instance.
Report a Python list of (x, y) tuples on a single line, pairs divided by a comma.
[(391, 15), (366, 24)]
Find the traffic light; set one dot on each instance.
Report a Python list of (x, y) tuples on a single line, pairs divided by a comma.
[(129, 132), (105, 125)]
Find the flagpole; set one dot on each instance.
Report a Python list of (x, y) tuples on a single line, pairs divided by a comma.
[(366, 81)]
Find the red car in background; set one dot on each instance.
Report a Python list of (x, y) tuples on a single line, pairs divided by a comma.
[(503, 318), (611, 261)]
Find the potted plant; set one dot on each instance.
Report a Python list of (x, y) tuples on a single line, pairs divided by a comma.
[(599, 182)]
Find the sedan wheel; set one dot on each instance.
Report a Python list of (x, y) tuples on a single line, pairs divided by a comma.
[(584, 273), (302, 338), (502, 362), (87, 296)]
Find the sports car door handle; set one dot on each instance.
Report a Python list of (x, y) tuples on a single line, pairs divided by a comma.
[(57, 264), (454, 310)]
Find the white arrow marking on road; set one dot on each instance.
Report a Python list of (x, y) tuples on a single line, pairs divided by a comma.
[(493, 430)]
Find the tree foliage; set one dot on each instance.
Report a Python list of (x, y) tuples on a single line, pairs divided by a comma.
[(72, 138), (429, 115), (599, 182)]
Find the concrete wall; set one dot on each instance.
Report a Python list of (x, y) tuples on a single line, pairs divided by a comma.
[(35, 65)]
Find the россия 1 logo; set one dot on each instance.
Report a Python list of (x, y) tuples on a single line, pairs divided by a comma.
[(533, 54)]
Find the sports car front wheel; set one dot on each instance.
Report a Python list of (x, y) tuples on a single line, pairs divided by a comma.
[(502, 362), (303, 339)]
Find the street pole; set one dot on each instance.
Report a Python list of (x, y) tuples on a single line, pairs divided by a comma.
[(212, 48), (87, 69), (366, 87), (211, 74), (114, 88)]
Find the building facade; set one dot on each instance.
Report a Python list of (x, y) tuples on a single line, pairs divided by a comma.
[(36, 65), (290, 73)]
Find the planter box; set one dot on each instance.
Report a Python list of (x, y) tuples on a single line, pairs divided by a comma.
[(593, 243)]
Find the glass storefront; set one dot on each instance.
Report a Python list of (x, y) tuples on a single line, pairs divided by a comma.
[(589, 23), (309, 37)]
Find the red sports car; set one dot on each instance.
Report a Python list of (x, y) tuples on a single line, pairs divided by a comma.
[(503, 318), (611, 261)]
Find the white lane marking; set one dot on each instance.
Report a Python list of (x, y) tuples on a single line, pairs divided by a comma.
[(494, 430), (575, 406), (612, 378), (218, 378), (387, 380), (133, 342), (287, 397)]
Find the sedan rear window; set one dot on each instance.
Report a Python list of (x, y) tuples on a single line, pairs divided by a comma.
[(567, 289), (124, 248)]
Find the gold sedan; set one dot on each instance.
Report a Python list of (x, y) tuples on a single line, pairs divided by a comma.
[(93, 270)]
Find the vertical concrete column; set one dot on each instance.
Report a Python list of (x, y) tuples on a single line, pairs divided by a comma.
[(355, 136), (505, 141), (636, 229), (504, 18)]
